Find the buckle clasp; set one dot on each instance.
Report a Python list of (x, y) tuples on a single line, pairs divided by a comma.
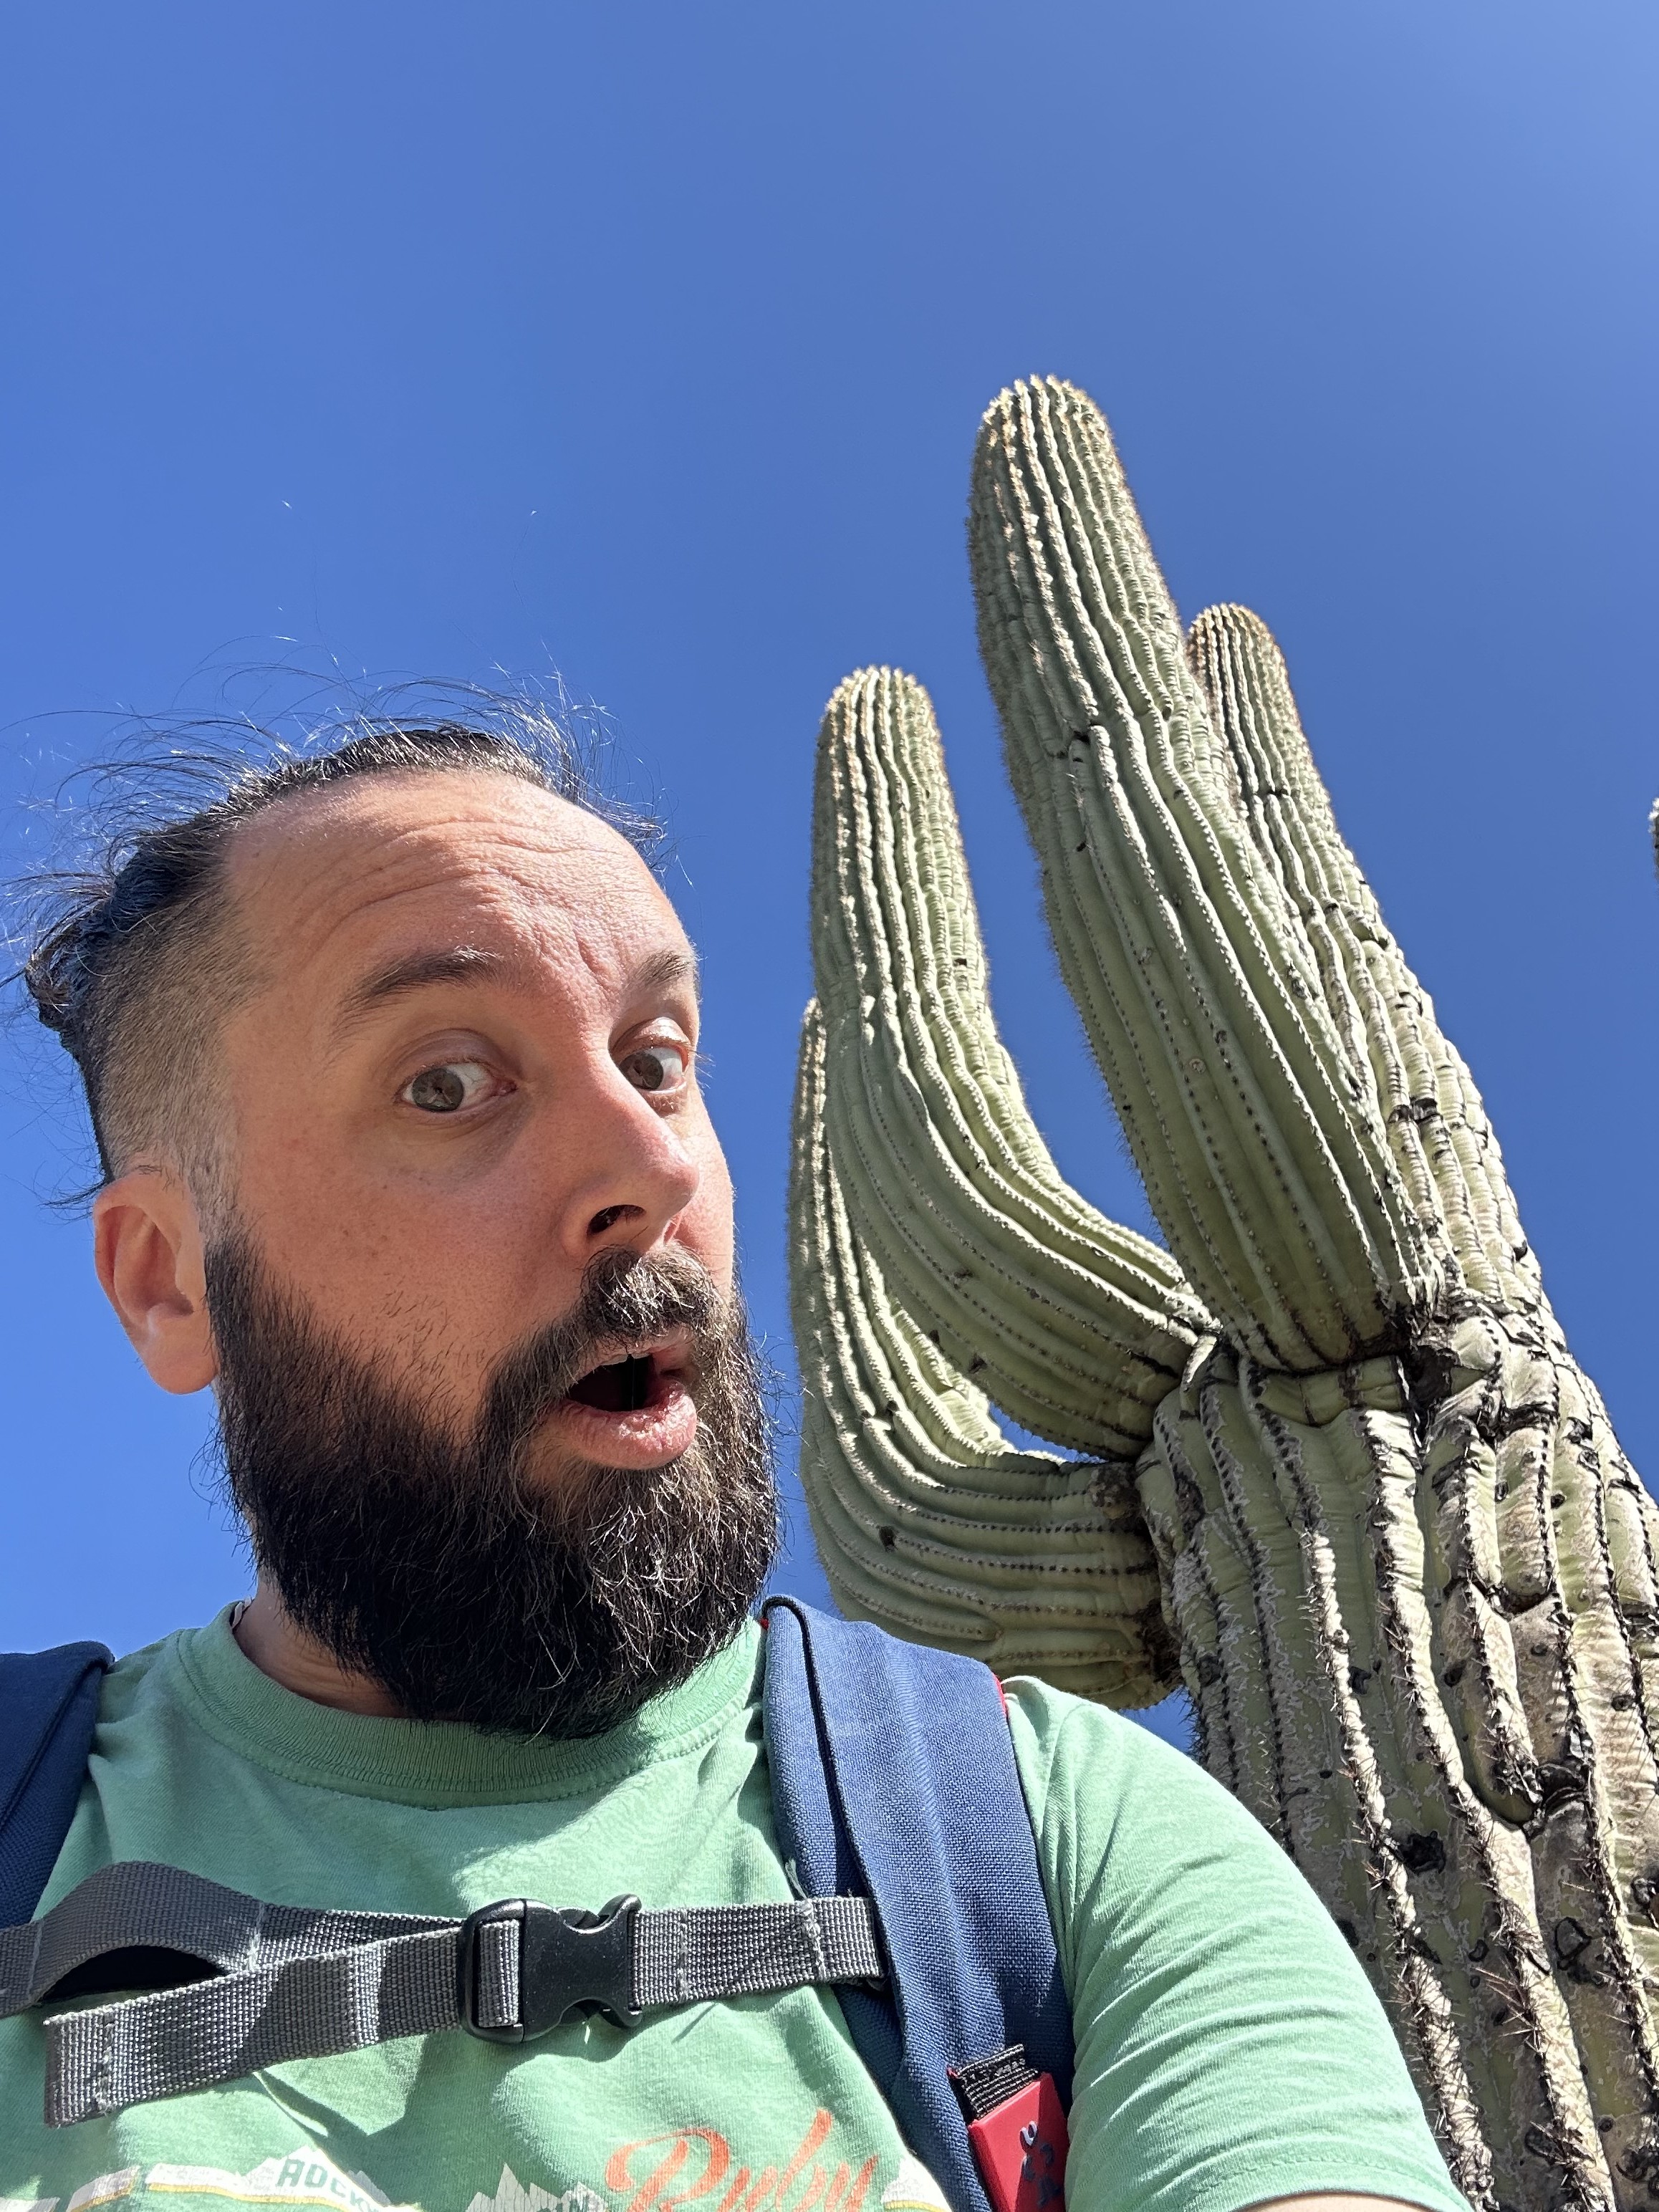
[(569, 1960)]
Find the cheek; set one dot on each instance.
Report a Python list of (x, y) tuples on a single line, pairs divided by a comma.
[(421, 1290), (406, 1273), (706, 1228), (296, 1192)]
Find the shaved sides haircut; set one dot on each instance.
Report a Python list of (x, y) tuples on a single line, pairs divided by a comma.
[(138, 963)]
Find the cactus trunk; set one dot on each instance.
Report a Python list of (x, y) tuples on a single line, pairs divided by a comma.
[(1338, 1464)]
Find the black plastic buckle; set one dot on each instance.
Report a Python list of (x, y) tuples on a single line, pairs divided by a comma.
[(568, 1961)]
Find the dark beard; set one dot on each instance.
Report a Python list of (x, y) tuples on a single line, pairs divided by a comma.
[(432, 1566)]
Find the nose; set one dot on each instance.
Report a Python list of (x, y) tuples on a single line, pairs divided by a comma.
[(632, 1173)]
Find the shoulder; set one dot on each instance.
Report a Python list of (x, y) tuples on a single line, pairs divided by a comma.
[(1102, 1788), (138, 1679), (1064, 1743), (1144, 1854), (1230, 2051)]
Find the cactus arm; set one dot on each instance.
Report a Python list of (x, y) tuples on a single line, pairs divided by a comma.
[(927, 1519), (1443, 1145), (1274, 1184), (1076, 1327), (1506, 1630), (1539, 1623)]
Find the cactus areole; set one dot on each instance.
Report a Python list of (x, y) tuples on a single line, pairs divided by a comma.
[(1327, 1461)]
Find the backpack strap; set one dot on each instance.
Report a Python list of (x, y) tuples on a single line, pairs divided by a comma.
[(48, 1711), (893, 1776), (236, 1983)]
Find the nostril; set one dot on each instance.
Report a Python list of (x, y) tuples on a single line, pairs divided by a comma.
[(609, 1215)]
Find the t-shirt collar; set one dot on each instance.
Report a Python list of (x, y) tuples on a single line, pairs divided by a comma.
[(441, 1762)]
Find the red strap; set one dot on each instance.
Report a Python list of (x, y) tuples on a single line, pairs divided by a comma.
[(1020, 2149)]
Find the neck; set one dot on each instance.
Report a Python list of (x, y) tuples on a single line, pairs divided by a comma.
[(300, 1663)]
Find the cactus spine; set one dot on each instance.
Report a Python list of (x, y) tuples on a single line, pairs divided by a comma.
[(1338, 1466)]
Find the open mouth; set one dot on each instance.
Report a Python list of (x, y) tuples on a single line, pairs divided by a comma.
[(626, 1386), (637, 1410)]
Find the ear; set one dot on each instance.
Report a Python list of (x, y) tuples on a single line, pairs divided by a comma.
[(148, 1248)]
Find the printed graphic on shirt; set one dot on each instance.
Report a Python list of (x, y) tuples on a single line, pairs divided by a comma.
[(105, 2190), (661, 2173), (512, 2194), (912, 2189), (306, 2176)]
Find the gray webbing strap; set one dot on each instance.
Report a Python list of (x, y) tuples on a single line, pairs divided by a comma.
[(293, 1983)]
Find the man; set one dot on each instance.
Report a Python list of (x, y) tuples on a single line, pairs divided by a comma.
[(391, 1057)]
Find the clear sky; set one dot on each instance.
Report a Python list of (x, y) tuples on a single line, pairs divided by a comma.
[(644, 343)]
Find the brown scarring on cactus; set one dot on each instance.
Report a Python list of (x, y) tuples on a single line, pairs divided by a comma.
[(1338, 1473)]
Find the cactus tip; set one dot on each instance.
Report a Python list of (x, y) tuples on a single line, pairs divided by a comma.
[(1229, 620), (1049, 387)]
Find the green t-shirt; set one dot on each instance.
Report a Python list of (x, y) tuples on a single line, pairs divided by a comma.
[(1228, 2049)]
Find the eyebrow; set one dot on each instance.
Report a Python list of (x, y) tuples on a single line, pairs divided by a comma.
[(469, 963), (665, 971), (416, 971)]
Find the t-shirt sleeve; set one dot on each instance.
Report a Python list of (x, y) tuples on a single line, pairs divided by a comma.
[(1229, 2047)]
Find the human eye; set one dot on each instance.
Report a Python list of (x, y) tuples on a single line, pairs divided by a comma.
[(661, 1066), (449, 1086)]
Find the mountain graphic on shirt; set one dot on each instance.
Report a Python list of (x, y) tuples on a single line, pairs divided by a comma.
[(512, 2194)]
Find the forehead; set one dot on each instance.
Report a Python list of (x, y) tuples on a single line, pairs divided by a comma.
[(390, 863)]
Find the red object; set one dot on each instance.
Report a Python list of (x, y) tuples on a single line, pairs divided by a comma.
[(1020, 2149)]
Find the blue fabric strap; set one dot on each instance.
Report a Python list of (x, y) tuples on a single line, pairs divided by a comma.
[(893, 1774), (48, 1709)]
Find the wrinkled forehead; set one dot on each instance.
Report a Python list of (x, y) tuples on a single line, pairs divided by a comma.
[(331, 879)]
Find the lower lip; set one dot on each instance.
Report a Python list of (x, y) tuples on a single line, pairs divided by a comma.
[(648, 1436)]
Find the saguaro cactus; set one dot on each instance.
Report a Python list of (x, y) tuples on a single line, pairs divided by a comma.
[(1336, 1469)]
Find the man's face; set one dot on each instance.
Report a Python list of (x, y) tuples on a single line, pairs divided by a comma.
[(471, 1069), (486, 1396)]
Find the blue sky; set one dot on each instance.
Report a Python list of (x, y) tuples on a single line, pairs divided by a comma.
[(644, 344)]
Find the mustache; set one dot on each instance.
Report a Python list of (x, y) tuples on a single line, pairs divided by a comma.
[(625, 1297)]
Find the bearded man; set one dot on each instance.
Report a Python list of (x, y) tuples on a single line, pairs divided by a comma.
[(391, 1053)]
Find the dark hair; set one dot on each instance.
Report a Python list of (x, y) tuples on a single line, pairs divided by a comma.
[(132, 961)]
